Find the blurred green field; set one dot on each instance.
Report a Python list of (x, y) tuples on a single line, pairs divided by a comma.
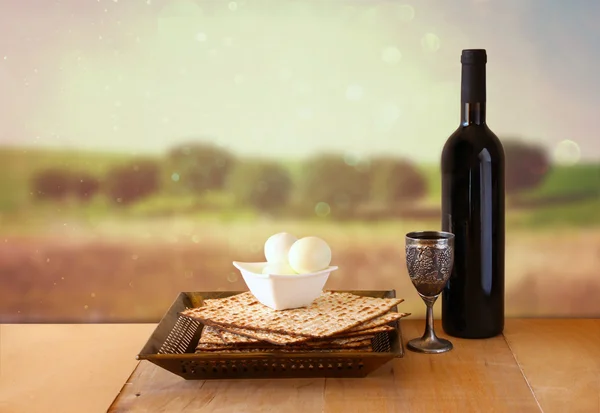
[(64, 260), (552, 203), (569, 181), (18, 165)]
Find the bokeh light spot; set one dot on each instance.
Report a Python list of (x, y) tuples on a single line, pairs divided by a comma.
[(175, 177), (391, 55), (351, 158), (201, 37), (233, 6), (430, 42), (386, 117), (232, 277), (354, 92), (195, 239), (322, 209), (567, 152), (371, 15), (406, 12)]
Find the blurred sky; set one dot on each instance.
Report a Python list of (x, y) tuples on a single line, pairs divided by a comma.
[(289, 78)]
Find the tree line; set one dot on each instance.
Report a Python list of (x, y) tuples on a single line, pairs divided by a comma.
[(266, 185)]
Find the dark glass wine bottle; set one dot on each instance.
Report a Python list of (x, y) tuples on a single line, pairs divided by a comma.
[(473, 210)]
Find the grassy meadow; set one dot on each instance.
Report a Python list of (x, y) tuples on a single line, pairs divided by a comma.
[(93, 262)]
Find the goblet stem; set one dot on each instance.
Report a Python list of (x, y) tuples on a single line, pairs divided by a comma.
[(429, 333), (429, 342)]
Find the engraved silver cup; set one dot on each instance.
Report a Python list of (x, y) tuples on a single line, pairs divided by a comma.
[(429, 259)]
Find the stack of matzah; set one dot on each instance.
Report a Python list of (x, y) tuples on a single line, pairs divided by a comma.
[(334, 322)]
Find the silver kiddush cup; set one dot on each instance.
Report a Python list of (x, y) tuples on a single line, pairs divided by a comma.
[(429, 259)]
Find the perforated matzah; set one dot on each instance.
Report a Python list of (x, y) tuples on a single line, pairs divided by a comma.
[(266, 346), (378, 321), (366, 349), (371, 331), (261, 335), (329, 314), (377, 325), (210, 335), (235, 339)]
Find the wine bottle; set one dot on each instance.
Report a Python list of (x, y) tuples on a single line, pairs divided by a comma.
[(473, 210)]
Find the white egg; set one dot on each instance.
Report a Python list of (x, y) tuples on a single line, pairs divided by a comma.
[(309, 254), (279, 268), (278, 246)]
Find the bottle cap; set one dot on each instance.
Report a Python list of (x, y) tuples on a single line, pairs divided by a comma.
[(473, 57)]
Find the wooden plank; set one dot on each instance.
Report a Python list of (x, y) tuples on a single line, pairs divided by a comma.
[(73, 368), (66, 367), (153, 389), (561, 360), (476, 376)]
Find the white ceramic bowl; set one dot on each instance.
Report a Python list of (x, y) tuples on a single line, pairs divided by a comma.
[(281, 292)]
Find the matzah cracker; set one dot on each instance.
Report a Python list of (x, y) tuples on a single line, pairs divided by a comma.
[(256, 336), (378, 321), (238, 335), (367, 349), (261, 335), (330, 313), (371, 331), (232, 337), (241, 335), (210, 335), (266, 346), (236, 339), (245, 298)]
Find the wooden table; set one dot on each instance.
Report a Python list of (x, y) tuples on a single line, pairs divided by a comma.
[(538, 365)]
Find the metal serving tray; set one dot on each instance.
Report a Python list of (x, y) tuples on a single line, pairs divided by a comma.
[(172, 346)]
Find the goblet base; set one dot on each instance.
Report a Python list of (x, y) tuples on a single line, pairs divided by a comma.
[(429, 345)]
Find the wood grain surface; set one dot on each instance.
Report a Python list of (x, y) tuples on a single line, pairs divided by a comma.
[(66, 368), (561, 361), (538, 365)]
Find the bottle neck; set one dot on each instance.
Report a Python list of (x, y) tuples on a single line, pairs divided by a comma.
[(472, 94), (472, 113)]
